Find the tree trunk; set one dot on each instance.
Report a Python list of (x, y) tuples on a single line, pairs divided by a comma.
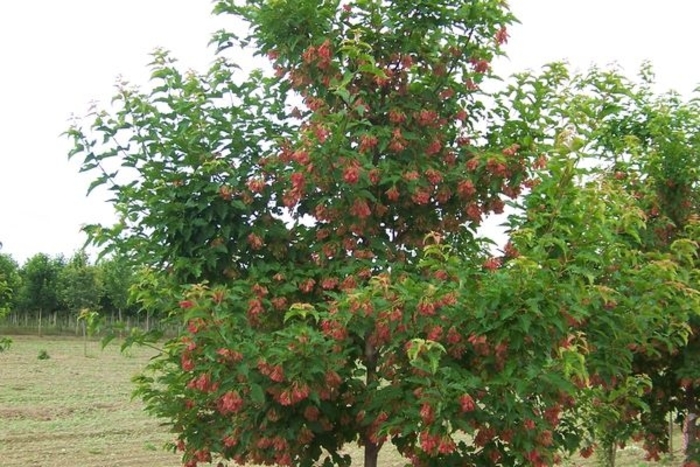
[(371, 448), (40, 313), (690, 433), (371, 453), (670, 435), (84, 326), (690, 428), (606, 455)]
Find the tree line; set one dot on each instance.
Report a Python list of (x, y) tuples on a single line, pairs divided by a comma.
[(54, 289)]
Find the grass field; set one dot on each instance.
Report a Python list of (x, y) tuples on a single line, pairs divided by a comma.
[(72, 410)]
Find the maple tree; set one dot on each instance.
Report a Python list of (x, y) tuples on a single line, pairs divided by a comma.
[(315, 228), (648, 146)]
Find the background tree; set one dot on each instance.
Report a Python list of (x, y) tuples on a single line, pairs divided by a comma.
[(10, 282), (325, 260), (9, 287), (40, 285), (79, 285), (117, 277)]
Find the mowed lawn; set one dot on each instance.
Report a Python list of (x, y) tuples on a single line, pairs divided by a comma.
[(73, 410)]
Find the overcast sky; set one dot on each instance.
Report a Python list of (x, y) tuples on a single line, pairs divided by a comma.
[(58, 56)]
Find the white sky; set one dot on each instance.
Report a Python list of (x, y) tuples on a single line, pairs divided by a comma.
[(57, 56)]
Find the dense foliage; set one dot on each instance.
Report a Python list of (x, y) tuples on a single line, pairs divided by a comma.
[(650, 147), (316, 229), (9, 282)]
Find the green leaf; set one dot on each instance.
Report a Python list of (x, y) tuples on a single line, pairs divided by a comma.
[(256, 394)]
